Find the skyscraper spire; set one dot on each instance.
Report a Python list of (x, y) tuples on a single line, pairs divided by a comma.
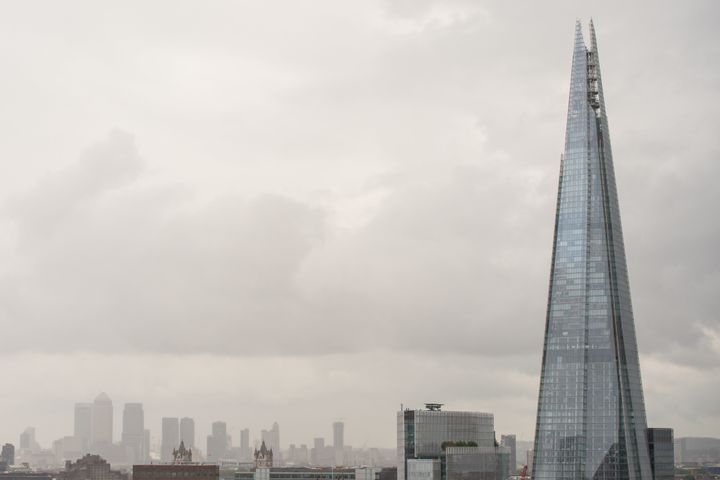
[(591, 414)]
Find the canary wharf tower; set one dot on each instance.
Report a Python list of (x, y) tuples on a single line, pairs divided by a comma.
[(591, 414)]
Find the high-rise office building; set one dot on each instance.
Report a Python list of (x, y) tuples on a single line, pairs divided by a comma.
[(27, 437), (133, 432), (591, 413), (8, 454), (217, 443), (339, 442), (102, 421), (146, 444), (170, 438), (187, 432), (272, 438), (662, 453), (245, 452), (429, 439), (339, 435), (272, 441), (27, 440), (322, 455), (83, 424), (511, 442)]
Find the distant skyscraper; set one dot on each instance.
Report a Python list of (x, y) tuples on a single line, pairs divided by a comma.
[(187, 432), (133, 433), (27, 440), (146, 444), (272, 438), (245, 452), (102, 421), (170, 438), (8, 454), (302, 455), (318, 451), (83, 424), (339, 442), (510, 442), (591, 413), (339, 435), (217, 443), (68, 448)]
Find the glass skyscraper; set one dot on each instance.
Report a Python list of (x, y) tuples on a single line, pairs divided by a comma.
[(591, 414)]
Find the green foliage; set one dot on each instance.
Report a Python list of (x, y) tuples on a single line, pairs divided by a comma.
[(459, 443)]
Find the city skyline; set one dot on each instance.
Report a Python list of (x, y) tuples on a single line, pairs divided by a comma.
[(129, 427), (264, 212)]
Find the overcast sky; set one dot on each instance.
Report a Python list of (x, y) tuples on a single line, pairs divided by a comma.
[(309, 211)]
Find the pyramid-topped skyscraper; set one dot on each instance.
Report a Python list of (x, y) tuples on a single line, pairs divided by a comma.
[(591, 414)]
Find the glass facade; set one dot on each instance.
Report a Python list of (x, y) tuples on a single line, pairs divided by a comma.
[(477, 463), (591, 414), (421, 433), (662, 453)]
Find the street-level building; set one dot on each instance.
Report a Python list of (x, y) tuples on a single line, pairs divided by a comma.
[(174, 471), (297, 473), (91, 467)]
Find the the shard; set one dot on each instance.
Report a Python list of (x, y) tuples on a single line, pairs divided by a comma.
[(591, 414)]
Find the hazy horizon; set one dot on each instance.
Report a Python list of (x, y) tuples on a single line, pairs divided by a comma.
[(275, 211)]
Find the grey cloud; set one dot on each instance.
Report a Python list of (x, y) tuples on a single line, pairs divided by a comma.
[(58, 196), (430, 271), (432, 129), (437, 271), (126, 268)]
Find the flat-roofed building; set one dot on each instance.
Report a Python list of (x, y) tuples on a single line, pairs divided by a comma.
[(425, 434), (296, 473), (477, 463), (662, 453), (173, 471)]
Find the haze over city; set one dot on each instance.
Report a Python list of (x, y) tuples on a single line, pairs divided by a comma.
[(310, 212)]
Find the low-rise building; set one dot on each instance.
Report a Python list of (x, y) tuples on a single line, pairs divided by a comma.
[(91, 467), (182, 466), (477, 463), (173, 471), (26, 476), (296, 473)]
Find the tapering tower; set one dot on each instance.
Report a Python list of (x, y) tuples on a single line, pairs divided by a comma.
[(591, 413)]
